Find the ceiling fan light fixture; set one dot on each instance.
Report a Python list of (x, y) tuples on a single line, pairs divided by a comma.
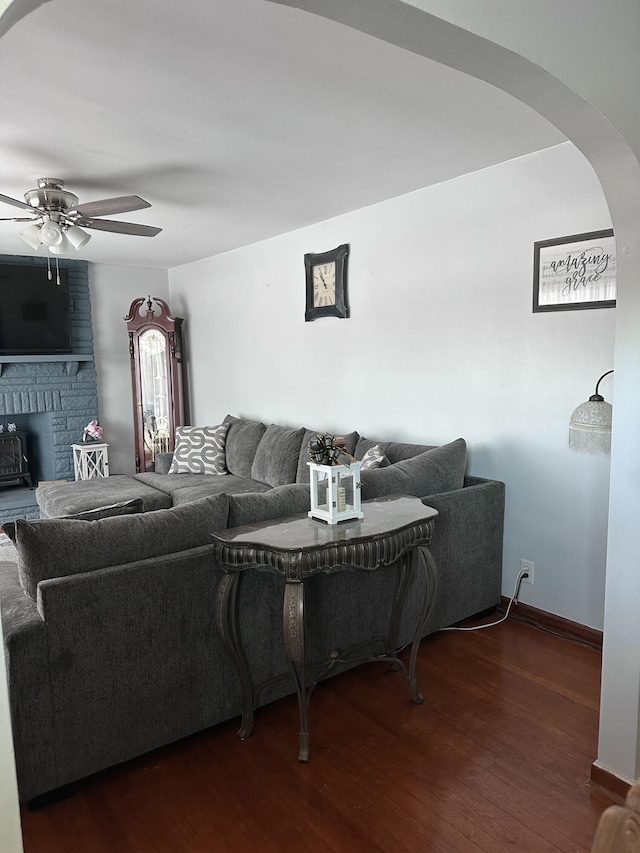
[(31, 235), (51, 234), (57, 217), (60, 249), (77, 237)]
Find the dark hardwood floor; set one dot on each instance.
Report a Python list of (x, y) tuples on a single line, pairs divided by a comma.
[(496, 759)]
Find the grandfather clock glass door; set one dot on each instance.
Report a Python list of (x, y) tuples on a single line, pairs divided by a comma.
[(155, 348), (154, 393)]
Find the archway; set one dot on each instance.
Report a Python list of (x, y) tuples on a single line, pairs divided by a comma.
[(491, 43)]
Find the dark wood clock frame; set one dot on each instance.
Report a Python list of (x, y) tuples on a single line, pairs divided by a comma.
[(171, 330), (339, 255)]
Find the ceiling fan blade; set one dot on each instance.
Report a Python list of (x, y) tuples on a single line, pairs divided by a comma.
[(119, 227), (14, 201), (18, 219), (109, 206)]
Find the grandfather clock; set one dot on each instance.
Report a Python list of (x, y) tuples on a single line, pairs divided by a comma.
[(157, 379)]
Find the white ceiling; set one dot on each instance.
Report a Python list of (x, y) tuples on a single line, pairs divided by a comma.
[(237, 119)]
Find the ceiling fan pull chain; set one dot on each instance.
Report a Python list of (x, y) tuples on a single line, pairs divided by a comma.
[(49, 267), (57, 272)]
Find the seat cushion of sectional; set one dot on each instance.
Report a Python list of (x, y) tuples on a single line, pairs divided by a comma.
[(58, 499), (183, 488)]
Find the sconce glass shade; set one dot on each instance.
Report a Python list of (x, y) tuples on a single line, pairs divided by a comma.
[(31, 235), (77, 237), (590, 427), (590, 424), (51, 234)]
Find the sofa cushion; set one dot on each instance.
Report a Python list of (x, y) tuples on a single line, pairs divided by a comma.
[(279, 502), (277, 456), (374, 458), (230, 485), (438, 470), (59, 499), (170, 485), (243, 439), (58, 547), (200, 450), (395, 451), (208, 484), (302, 474), (162, 462), (128, 508)]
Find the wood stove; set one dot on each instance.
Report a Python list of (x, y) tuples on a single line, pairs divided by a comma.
[(14, 467)]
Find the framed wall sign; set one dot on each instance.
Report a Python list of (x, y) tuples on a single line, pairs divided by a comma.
[(573, 272), (326, 283)]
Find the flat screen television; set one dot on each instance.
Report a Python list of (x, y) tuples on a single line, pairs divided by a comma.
[(35, 316)]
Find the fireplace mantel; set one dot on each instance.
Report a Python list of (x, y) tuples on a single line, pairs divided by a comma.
[(70, 360)]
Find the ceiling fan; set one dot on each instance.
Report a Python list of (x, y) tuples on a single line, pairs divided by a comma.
[(56, 216)]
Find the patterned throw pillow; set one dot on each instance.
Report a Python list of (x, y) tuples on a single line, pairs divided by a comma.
[(200, 450), (374, 458)]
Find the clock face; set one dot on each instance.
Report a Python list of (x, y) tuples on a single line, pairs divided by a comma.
[(324, 284)]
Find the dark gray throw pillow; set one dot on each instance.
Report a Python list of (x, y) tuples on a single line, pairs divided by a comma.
[(283, 501), (242, 442), (438, 470), (58, 547), (276, 459), (125, 508)]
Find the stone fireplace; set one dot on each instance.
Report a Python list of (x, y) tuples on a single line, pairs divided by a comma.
[(50, 398)]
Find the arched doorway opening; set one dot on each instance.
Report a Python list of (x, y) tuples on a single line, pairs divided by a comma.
[(542, 61)]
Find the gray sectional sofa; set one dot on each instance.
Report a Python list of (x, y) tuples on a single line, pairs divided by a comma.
[(108, 619)]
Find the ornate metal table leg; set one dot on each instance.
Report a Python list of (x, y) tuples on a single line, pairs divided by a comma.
[(422, 554), (402, 582), (293, 630), (227, 623)]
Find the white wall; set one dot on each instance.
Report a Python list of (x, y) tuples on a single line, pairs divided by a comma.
[(441, 342), (593, 101), (113, 289)]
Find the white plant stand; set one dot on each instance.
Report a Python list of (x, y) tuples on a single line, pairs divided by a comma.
[(90, 460)]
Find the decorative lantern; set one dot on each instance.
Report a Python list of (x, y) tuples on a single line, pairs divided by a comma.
[(335, 492)]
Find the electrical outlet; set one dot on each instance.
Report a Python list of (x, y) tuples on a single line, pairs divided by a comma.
[(527, 565)]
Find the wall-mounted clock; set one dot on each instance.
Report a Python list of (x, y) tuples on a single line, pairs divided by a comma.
[(326, 277)]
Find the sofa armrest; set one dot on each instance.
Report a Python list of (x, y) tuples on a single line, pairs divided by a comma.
[(27, 663), (467, 548), (136, 659), (163, 462)]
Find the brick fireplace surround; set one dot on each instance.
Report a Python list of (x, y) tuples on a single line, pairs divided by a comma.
[(51, 397)]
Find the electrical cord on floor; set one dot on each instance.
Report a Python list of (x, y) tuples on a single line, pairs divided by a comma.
[(514, 598)]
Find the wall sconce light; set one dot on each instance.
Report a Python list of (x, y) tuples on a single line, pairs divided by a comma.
[(590, 424)]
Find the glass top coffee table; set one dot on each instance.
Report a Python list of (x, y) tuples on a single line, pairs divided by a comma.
[(394, 531)]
